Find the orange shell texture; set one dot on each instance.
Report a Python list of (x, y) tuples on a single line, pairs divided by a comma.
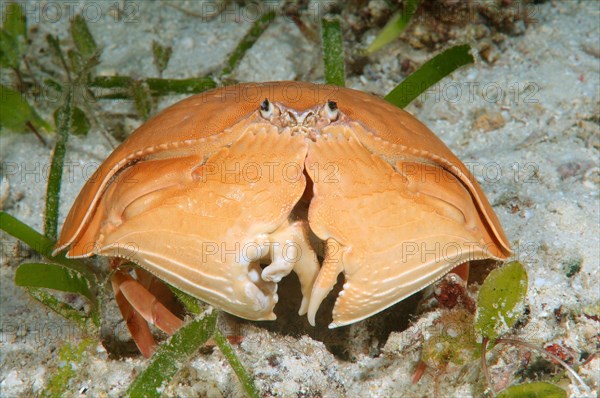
[(376, 187)]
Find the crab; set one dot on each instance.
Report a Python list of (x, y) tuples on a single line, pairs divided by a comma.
[(227, 192)]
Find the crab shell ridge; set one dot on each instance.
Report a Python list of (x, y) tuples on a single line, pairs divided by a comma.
[(201, 196)]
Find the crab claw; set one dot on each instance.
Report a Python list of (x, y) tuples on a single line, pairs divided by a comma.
[(332, 266), (289, 249), (395, 234)]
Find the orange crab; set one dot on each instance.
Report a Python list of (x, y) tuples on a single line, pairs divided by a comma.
[(284, 174)]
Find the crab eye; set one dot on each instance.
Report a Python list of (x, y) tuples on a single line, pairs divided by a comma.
[(266, 109), (331, 110)]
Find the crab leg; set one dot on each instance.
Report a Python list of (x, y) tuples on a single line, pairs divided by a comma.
[(158, 289), (146, 304), (136, 324)]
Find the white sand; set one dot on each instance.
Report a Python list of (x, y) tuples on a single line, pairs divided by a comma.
[(540, 169)]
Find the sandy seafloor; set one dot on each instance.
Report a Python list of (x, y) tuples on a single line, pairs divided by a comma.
[(539, 168)]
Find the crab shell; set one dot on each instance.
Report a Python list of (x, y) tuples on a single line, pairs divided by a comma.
[(286, 174)]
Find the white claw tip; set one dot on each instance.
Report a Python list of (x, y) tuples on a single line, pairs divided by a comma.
[(311, 318), (303, 307)]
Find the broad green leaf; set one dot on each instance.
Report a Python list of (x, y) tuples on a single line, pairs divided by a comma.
[(40, 244), (13, 35), (14, 21), (57, 52), (83, 39), (54, 276), (161, 56), (54, 46), (501, 300), (172, 356), (395, 26), (333, 52), (72, 271), (17, 113), (430, 73), (10, 56), (537, 389), (80, 125), (76, 61)]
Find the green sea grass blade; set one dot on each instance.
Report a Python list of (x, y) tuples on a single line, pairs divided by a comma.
[(333, 52), (41, 244), (172, 356), (56, 277), (65, 120), (258, 28), (238, 368), (82, 37), (396, 25), (157, 86), (430, 73), (65, 310), (194, 306)]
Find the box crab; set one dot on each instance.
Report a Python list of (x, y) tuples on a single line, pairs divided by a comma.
[(225, 193)]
